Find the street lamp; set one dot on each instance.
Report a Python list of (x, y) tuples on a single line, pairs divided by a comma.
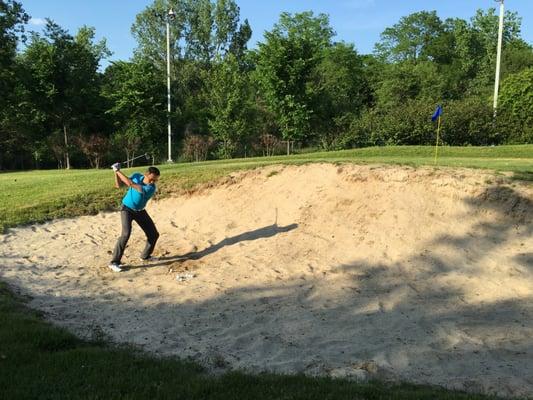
[(170, 17), (498, 57)]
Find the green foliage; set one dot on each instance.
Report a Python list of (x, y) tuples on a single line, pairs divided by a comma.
[(517, 95), (136, 96), (486, 24), (58, 88), (298, 86), (285, 65), (408, 81), (406, 124), (202, 33), (12, 19), (485, 27), (469, 122), (515, 114), (411, 39), (228, 98), (202, 30), (341, 91), (149, 30)]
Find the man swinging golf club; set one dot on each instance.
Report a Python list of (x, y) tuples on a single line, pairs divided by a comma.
[(141, 187)]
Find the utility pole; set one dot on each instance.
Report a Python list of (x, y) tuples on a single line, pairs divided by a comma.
[(170, 17), (498, 57)]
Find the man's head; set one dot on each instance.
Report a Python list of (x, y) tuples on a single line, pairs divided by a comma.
[(151, 176)]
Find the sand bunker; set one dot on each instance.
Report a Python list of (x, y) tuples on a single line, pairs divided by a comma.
[(421, 275)]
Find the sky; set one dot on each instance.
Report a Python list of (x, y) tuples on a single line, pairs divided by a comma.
[(355, 21)]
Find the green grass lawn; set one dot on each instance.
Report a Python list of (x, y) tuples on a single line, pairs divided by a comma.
[(38, 196), (39, 361)]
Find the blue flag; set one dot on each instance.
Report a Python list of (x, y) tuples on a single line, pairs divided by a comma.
[(437, 114)]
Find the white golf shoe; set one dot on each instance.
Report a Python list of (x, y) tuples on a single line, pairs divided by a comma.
[(115, 267)]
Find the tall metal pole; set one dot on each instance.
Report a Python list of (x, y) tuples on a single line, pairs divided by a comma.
[(498, 58), (168, 91)]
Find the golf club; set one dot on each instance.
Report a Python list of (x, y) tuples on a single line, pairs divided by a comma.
[(135, 158)]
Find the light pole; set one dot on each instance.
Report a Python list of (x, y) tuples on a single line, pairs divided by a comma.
[(498, 57), (170, 17)]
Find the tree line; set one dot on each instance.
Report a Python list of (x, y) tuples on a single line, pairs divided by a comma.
[(298, 88)]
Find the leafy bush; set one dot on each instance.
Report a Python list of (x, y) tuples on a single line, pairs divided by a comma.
[(515, 112), (464, 122), (469, 122), (408, 124)]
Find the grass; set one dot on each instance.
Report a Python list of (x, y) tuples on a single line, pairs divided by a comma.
[(37, 196), (38, 360)]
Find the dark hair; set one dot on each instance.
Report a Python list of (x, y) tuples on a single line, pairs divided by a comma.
[(154, 170)]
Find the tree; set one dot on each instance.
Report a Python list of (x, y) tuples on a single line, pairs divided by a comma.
[(12, 20), (411, 39), (408, 81), (149, 30), (515, 111), (285, 65), (228, 99), (201, 31), (239, 42), (94, 147), (341, 92), (136, 97), (63, 80), (485, 25)]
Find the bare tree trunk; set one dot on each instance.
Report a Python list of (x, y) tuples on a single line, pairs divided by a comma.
[(67, 158), (127, 157), (288, 147)]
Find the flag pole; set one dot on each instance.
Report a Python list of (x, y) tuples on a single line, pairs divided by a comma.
[(437, 144)]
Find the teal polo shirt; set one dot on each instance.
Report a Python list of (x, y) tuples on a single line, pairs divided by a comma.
[(137, 200)]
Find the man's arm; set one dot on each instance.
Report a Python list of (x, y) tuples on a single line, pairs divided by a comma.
[(127, 181), (118, 182)]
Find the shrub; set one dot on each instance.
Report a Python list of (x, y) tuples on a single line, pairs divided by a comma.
[(469, 122)]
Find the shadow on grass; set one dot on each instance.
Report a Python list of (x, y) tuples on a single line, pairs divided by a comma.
[(523, 176)]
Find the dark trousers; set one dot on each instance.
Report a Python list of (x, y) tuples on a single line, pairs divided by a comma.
[(142, 218)]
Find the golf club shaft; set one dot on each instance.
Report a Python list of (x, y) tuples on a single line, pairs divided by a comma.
[(134, 158)]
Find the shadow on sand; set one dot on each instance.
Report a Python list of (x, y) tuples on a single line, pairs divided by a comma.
[(261, 233)]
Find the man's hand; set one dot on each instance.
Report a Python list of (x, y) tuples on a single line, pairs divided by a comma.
[(121, 178)]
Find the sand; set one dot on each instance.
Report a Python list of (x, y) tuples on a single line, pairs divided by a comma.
[(420, 275)]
